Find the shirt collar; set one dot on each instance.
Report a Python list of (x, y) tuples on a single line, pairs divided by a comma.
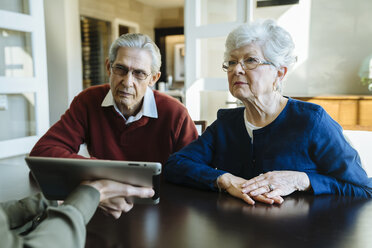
[(148, 107)]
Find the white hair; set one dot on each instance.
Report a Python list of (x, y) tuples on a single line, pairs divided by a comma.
[(137, 41), (276, 43)]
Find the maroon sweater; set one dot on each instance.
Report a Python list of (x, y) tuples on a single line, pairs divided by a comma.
[(108, 137)]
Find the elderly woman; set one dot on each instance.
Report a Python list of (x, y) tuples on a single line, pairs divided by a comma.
[(274, 145)]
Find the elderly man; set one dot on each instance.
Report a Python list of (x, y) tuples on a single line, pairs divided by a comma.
[(126, 119)]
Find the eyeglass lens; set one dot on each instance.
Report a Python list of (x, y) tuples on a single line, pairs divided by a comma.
[(123, 71), (247, 64)]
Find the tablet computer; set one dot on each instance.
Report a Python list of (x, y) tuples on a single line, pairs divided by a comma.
[(57, 177)]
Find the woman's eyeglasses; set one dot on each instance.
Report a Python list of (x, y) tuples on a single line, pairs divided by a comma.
[(247, 64)]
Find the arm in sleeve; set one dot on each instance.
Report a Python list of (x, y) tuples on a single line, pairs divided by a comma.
[(64, 138), (64, 226), (340, 171), (192, 166), (22, 211)]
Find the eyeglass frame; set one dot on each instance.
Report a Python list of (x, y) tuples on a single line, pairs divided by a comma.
[(128, 70), (260, 62)]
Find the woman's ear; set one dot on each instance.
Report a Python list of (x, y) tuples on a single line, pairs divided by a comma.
[(282, 71)]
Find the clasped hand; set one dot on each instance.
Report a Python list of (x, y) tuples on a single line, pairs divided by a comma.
[(114, 196), (266, 188)]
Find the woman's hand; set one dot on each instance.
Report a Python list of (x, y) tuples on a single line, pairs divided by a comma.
[(276, 183), (115, 197), (233, 185)]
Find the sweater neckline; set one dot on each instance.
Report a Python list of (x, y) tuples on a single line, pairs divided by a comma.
[(281, 117)]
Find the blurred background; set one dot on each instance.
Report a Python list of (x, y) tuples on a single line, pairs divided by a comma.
[(51, 50)]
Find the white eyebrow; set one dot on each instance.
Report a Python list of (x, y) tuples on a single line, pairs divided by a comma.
[(246, 55)]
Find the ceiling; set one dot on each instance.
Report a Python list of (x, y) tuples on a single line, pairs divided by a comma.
[(162, 4)]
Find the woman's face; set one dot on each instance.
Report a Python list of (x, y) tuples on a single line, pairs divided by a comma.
[(246, 84)]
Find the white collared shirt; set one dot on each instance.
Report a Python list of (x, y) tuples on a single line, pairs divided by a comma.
[(148, 107)]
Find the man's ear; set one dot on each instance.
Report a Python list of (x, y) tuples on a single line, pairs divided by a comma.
[(154, 78), (108, 66), (282, 71)]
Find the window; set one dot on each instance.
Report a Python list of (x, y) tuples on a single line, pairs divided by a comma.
[(23, 76)]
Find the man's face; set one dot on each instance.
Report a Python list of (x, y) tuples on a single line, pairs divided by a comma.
[(129, 76)]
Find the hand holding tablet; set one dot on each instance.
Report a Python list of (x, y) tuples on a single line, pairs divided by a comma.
[(57, 177), (115, 196)]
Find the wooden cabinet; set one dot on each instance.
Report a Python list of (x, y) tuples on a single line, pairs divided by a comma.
[(365, 112), (351, 112)]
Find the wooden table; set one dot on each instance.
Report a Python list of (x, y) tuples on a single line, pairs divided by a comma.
[(187, 217), (15, 181)]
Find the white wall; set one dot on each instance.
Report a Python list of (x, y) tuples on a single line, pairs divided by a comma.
[(361, 141), (62, 28), (335, 37)]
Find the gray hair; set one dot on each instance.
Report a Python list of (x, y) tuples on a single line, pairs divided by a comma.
[(137, 41), (276, 43)]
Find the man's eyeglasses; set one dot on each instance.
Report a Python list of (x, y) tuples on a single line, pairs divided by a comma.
[(247, 64), (123, 71)]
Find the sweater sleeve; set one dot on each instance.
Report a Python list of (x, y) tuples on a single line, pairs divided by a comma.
[(64, 226), (64, 138), (340, 171), (192, 166), (185, 133)]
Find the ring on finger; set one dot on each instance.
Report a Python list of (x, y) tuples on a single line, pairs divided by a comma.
[(271, 187)]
